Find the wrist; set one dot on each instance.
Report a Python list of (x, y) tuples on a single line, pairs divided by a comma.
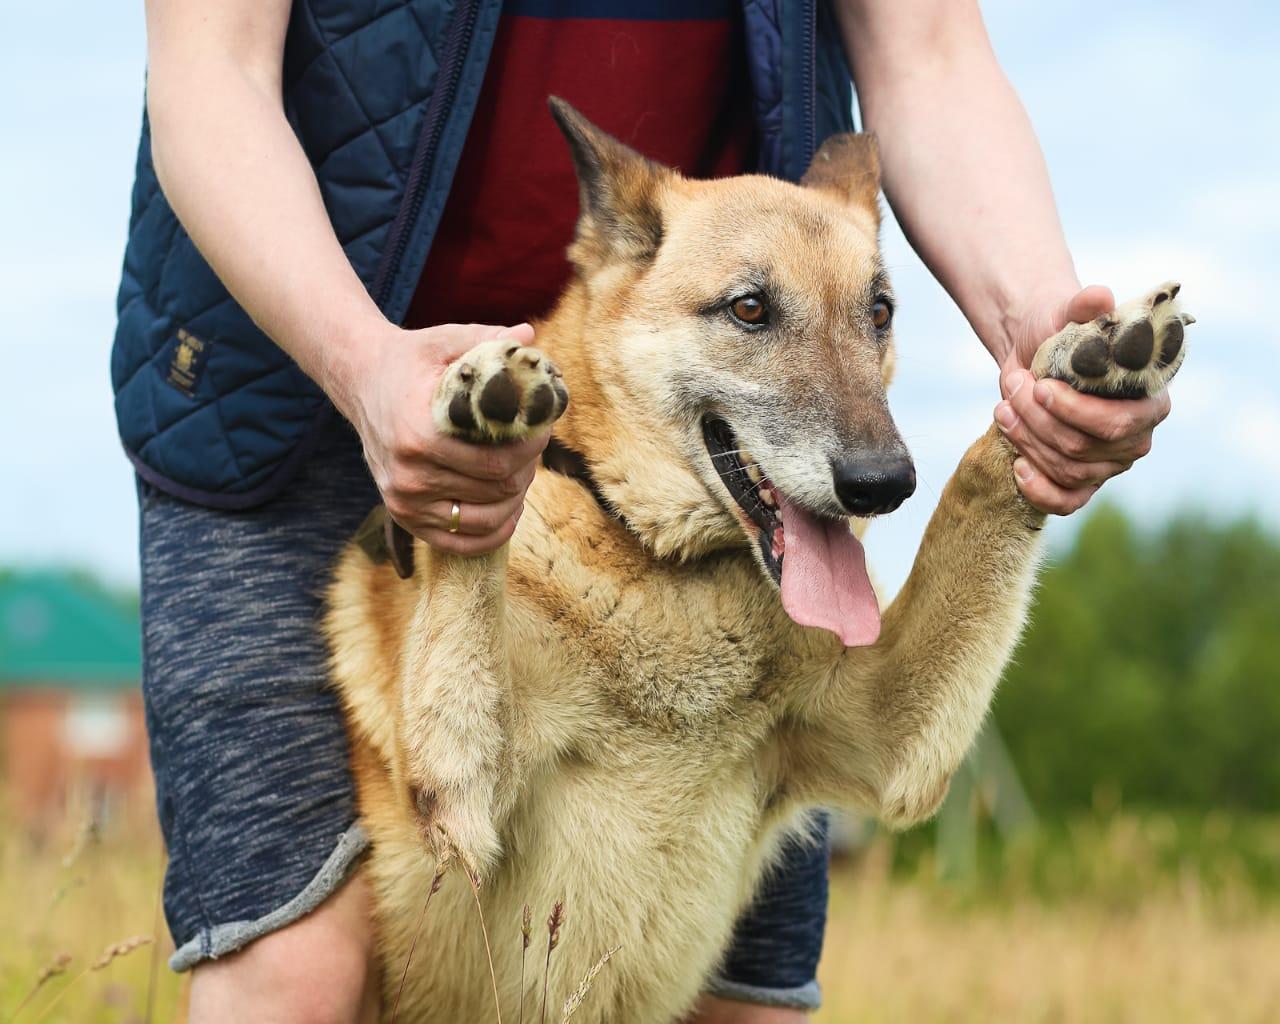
[(1012, 314), (350, 355)]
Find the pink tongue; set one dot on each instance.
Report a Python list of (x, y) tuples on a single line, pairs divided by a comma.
[(824, 577)]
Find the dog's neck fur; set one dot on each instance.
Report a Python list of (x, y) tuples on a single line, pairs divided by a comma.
[(647, 479)]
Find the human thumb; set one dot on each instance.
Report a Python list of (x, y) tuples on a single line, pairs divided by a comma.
[(454, 340), (1085, 305)]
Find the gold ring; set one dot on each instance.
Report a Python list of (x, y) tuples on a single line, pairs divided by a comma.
[(455, 520)]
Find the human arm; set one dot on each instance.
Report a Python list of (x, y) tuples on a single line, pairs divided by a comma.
[(234, 173), (966, 178)]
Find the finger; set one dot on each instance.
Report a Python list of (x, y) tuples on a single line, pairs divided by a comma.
[(1047, 496), (473, 520), (431, 482), (1057, 436), (1063, 470), (454, 340), (1114, 420), (462, 544), (1089, 302), (486, 461)]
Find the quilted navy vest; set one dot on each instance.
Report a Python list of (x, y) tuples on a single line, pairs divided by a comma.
[(380, 95)]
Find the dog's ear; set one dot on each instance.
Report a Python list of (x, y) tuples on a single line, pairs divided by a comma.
[(620, 215), (848, 166)]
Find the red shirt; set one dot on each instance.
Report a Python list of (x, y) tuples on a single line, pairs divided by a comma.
[(667, 77)]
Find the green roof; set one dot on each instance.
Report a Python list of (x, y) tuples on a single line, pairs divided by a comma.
[(57, 628)]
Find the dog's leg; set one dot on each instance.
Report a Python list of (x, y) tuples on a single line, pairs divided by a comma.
[(893, 722), (455, 683)]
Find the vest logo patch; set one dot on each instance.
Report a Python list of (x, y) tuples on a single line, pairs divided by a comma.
[(187, 361)]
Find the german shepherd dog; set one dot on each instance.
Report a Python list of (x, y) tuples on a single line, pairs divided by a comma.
[(679, 655)]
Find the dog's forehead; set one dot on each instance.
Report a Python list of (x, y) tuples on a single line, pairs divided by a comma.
[(793, 232)]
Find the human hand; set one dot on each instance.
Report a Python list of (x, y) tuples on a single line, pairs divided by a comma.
[(421, 472), (1069, 443)]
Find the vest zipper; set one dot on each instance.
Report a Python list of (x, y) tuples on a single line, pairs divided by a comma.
[(438, 109), (810, 81)]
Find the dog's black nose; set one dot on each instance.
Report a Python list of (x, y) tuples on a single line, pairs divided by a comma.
[(873, 485)]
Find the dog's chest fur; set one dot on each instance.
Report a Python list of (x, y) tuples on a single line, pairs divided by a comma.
[(681, 652), (639, 778)]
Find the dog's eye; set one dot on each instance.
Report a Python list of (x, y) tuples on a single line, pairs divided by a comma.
[(750, 311), (881, 314)]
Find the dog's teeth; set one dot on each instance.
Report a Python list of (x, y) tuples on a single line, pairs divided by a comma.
[(753, 473), (766, 496)]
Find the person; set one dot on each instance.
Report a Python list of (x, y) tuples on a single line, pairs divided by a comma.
[(333, 201)]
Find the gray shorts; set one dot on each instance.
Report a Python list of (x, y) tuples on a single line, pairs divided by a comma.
[(248, 742)]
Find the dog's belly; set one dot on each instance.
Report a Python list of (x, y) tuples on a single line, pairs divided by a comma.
[(657, 872)]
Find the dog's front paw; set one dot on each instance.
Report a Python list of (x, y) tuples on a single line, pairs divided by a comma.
[(499, 391), (1132, 352)]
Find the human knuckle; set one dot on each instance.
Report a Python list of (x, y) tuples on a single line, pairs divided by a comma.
[(396, 503), (1119, 428), (404, 484), (404, 444), (1075, 445), (1075, 474), (512, 485)]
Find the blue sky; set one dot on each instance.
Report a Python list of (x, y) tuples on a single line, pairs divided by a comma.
[(1160, 122)]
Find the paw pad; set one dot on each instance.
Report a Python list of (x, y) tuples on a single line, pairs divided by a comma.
[(1130, 353), (499, 392)]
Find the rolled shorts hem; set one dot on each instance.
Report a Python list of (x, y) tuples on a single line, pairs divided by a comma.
[(221, 939), (806, 997)]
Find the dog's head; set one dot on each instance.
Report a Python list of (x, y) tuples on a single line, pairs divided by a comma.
[(738, 335)]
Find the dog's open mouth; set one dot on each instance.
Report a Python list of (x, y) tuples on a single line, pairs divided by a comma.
[(815, 560), (749, 488)]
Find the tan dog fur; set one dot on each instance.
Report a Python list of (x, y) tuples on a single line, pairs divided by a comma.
[(617, 712)]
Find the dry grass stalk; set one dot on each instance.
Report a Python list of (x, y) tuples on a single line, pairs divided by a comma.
[(58, 965), (441, 867), (87, 835), (61, 891), (109, 955), (574, 1001), (474, 879), (118, 950), (554, 924), (526, 937)]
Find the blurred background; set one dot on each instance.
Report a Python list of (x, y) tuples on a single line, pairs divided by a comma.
[(1112, 851)]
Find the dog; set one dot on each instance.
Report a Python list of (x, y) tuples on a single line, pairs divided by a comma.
[(679, 655)]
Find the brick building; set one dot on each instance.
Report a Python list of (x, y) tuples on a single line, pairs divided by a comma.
[(70, 706)]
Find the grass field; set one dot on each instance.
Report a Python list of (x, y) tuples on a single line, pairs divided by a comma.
[(1131, 918), (1129, 921)]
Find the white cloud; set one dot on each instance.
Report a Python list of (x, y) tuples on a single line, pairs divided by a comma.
[(1242, 208)]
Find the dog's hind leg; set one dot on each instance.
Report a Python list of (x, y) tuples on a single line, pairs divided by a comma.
[(455, 684), (893, 722)]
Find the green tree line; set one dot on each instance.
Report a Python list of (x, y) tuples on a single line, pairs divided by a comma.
[(1151, 668)]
